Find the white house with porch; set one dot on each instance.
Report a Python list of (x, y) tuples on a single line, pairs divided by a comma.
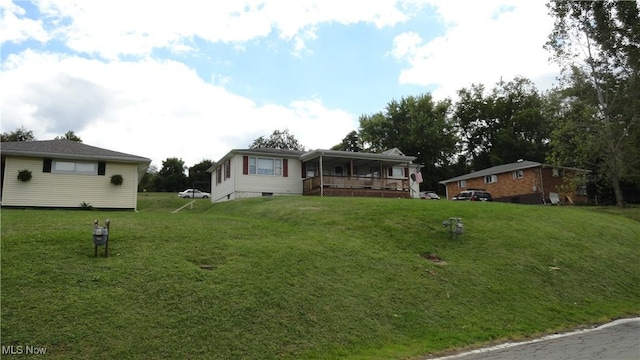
[(272, 172)]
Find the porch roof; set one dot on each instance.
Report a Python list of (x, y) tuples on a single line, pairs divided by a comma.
[(358, 158)]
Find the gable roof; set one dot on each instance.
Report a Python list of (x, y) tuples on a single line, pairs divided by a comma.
[(519, 165), (388, 158), (257, 152), (67, 149)]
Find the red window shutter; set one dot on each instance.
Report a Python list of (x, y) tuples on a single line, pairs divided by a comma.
[(304, 170), (390, 172), (406, 172), (285, 167), (245, 165)]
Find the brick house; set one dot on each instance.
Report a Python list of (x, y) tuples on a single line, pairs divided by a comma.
[(526, 182)]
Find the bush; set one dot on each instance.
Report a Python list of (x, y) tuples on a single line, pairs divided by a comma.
[(117, 179), (24, 175)]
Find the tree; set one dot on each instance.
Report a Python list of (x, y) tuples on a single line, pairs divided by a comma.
[(171, 176), (69, 135), (148, 179), (351, 142), (278, 140), (504, 125), (596, 114), (199, 178), (417, 126), (20, 134)]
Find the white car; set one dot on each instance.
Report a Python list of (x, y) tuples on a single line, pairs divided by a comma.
[(429, 195), (193, 193)]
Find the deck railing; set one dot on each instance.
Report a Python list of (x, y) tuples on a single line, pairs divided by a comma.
[(355, 182)]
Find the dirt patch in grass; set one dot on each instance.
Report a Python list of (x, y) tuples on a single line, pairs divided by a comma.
[(433, 258)]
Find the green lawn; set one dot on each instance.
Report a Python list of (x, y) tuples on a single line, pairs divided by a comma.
[(310, 278)]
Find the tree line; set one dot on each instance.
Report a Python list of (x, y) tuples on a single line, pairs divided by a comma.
[(589, 120)]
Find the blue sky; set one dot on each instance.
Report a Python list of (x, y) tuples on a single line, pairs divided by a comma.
[(195, 79)]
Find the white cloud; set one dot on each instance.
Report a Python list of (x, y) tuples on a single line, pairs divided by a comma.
[(157, 109), (114, 28), (14, 27), (484, 40)]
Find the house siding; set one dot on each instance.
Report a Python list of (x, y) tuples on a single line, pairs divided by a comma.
[(241, 185), (68, 190)]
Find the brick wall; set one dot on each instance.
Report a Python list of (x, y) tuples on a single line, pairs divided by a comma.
[(535, 184), (505, 186)]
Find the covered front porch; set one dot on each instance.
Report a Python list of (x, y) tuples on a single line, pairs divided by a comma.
[(356, 186), (341, 173)]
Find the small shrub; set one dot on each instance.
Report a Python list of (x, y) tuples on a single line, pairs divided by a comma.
[(86, 206), (24, 175), (117, 179)]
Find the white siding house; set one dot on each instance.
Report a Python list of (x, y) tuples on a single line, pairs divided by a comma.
[(270, 172), (66, 174), (260, 172)]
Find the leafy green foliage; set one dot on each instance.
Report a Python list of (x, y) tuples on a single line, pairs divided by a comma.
[(117, 179), (24, 175), (199, 178), (21, 134), (598, 45), (69, 135), (278, 140), (351, 142), (86, 206), (417, 126), (504, 125), (171, 177), (310, 277)]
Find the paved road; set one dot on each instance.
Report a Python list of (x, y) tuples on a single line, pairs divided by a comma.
[(619, 340)]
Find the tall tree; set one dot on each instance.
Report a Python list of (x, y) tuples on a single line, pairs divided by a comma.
[(278, 140), (20, 134), (69, 135), (171, 176), (597, 113), (199, 178), (351, 142), (418, 126), (504, 125)]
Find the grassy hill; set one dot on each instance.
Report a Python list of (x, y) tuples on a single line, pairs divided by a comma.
[(309, 277)]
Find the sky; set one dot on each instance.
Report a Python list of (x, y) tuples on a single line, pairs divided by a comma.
[(194, 79)]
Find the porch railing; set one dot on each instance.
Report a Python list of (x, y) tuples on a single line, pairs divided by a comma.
[(355, 182)]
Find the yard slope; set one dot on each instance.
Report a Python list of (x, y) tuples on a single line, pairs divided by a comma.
[(309, 277)]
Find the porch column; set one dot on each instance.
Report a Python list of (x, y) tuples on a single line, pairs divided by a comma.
[(321, 178), (408, 179)]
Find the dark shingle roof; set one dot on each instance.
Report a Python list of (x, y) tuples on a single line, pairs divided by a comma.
[(66, 149), (520, 165)]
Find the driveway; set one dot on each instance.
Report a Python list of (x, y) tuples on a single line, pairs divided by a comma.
[(619, 340)]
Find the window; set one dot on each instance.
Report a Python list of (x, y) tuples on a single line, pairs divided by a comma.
[(265, 166), (278, 166), (227, 169), (218, 176), (338, 170), (398, 172), (558, 172), (72, 167), (311, 169), (518, 174), (581, 190), (462, 183), (490, 179)]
